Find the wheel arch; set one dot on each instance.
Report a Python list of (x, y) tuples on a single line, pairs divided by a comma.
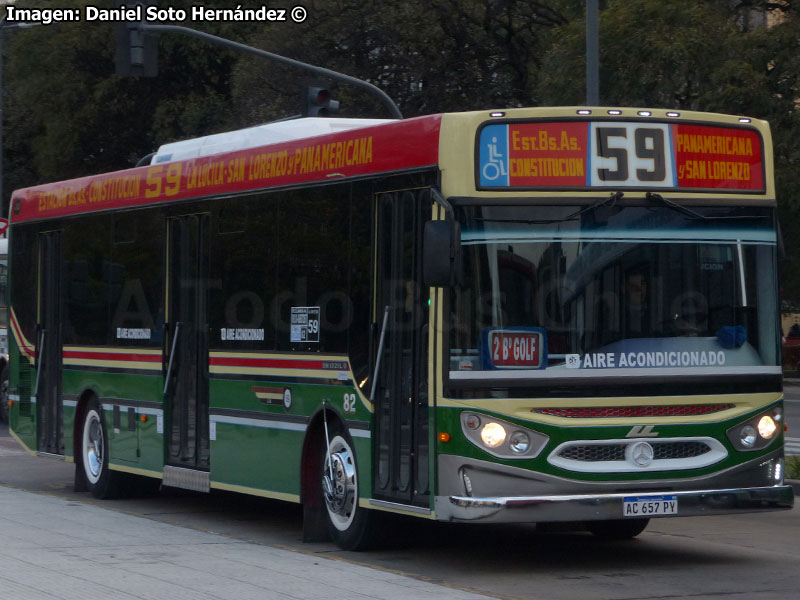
[(312, 450), (315, 526)]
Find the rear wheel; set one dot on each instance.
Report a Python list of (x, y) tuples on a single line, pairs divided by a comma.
[(617, 529), (348, 524), (100, 480)]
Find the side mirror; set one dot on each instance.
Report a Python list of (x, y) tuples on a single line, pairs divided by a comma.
[(441, 250)]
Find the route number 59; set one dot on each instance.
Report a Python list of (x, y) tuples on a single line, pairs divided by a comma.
[(631, 155)]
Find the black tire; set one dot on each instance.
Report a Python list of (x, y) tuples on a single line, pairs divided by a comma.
[(100, 480), (619, 529), (4, 394), (350, 526)]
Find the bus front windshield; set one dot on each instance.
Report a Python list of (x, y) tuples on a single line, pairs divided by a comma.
[(614, 291)]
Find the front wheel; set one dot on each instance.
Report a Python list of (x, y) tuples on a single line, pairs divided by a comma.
[(617, 529), (348, 524)]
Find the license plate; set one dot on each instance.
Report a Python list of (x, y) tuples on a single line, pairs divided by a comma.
[(649, 506)]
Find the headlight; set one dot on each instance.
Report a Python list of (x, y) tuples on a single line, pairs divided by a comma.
[(493, 434), (500, 438), (758, 432), (747, 436), (519, 442), (767, 427)]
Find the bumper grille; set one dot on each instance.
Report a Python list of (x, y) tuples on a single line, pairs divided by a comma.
[(671, 450), (637, 454), (593, 453), (661, 451)]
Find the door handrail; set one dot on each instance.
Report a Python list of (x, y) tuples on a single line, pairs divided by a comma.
[(171, 357), (39, 356), (386, 311)]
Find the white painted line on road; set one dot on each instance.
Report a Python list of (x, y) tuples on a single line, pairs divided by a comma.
[(791, 446)]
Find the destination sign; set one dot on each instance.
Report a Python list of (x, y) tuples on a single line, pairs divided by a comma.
[(607, 154)]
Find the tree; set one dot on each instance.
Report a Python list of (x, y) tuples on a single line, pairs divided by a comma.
[(712, 55), (68, 114), (439, 55)]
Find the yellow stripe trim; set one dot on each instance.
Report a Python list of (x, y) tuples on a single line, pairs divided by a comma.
[(21, 443), (123, 364), (255, 492), (136, 471), (310, 373), (520, 408), (22, 341), (269, 396)]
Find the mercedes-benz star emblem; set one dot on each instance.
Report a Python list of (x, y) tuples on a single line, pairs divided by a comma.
[(641, 454)]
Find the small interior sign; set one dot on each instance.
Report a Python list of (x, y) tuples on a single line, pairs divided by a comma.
[(514, 348), (305, 324)]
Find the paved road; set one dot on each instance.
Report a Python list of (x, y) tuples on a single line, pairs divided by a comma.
[(791, 404), (756, 557)]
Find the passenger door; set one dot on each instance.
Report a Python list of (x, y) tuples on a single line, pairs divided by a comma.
[(401, 447), (49, 343), (186, 353)]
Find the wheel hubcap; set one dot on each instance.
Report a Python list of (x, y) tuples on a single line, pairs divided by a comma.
[(93, 447), (339, 485)]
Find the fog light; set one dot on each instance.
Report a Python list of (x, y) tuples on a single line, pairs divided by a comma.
[(767, 427), (748, 436), (472, 421), (493, 434), (519, 442), (467, 483)]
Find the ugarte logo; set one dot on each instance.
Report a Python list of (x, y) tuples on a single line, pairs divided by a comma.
[(642, 431)]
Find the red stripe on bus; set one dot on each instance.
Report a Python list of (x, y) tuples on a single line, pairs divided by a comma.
[(109, 356), (266, 363), (21, 342), (396, 146)]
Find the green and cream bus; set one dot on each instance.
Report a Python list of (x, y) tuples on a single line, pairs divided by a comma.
[(525, 315), (3, 322)]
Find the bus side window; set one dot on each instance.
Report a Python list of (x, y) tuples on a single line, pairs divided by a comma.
[(243, 264)]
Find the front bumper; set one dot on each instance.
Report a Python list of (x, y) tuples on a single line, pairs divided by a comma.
[(599, 507)]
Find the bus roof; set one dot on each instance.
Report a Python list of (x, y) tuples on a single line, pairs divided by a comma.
[(260, 135), (308, 151), (347, 152)]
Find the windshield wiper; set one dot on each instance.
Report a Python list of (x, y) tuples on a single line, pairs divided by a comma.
[(601, 203), (653, 197)]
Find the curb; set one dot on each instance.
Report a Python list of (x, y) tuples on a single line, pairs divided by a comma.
[(795, 483)]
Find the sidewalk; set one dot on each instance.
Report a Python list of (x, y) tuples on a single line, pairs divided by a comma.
[(57, 549)]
